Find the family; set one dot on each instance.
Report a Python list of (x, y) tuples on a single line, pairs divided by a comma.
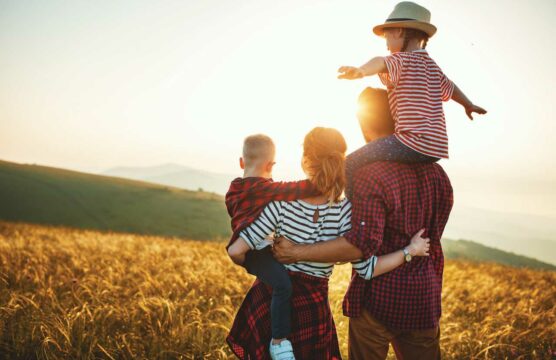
[(389, 224)]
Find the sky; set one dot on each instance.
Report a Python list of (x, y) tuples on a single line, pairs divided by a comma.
[(90, 85)]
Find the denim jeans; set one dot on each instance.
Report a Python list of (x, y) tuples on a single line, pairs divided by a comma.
[(264, 266), (388, 148)]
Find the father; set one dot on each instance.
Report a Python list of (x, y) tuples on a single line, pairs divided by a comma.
[(391, 202)]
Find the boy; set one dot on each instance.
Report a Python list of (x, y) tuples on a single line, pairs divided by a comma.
[(245, 200)]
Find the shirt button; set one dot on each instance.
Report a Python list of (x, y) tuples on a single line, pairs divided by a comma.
[(362, 223)]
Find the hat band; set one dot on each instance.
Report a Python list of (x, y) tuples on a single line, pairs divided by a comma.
[(400, 19)]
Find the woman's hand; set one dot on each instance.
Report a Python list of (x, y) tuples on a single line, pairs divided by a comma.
[(419, 246), (285, 250), (350, 73)]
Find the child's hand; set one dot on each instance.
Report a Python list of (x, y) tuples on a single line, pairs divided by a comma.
[(350, 73), (474, 108), (419, 246)]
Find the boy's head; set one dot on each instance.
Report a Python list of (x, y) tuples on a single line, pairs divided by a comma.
[(407, 23), (374, 114), (258, 155)]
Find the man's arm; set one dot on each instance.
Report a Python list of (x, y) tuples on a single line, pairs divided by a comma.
[(337, 250), (340, 250), (367, 228)]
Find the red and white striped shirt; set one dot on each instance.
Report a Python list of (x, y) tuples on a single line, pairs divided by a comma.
[(416, 88)]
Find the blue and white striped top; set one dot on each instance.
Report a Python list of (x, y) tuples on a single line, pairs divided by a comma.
[(294, 220)]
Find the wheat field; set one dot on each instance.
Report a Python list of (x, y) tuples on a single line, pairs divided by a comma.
[(77, 294)]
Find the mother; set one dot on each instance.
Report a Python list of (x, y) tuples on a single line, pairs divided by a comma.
[(310, 220)]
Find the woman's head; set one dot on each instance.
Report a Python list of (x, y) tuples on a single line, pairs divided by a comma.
[(400, 39), (324, 154)]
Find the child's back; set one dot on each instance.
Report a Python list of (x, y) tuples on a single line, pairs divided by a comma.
[(417, 86)]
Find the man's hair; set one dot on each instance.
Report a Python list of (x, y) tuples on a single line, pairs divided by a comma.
[(257, 148), (376, 101)]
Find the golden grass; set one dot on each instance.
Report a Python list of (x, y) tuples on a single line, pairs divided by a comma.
[(77, 294)]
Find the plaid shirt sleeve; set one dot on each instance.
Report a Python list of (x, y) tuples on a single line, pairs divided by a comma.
[(368, 215), (283, 190)]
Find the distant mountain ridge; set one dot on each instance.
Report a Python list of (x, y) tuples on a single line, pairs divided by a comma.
[(176, 175), (471, 250)]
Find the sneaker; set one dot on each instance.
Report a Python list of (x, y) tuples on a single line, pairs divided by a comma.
[(282, 351)]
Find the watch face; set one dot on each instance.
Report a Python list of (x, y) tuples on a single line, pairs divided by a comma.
[(408, 258)]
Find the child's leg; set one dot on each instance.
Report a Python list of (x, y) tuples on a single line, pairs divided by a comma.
[(384, 149), (262, 264)]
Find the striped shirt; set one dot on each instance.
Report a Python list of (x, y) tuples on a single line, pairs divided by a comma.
[(416, 89), (294, 220)]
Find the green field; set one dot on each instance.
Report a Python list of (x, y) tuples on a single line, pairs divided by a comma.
[(47, 195)]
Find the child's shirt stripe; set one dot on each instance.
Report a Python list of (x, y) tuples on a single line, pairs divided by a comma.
[(416, 88)]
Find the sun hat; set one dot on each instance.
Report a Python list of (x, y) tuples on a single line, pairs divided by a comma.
[(408, 15)]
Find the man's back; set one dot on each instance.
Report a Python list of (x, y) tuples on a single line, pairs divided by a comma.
[(398, 200)]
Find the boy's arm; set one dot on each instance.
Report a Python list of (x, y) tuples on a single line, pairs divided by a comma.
[(459, 97), (237, 251), (284, 190), (374, 66), (254, 234)]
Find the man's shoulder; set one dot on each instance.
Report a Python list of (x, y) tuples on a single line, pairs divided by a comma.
[(391, 171)]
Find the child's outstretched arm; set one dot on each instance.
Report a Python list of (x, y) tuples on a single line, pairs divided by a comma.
[(376, 266), (470, 108), (372, 67)]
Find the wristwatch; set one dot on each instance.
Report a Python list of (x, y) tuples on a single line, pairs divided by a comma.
[(406, 254)]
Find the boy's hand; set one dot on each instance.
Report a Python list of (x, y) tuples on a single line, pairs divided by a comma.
[(419, 246), (350, 73), (469, 110)]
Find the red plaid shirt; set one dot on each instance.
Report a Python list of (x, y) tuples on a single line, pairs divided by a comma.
[(247, 197), (391, 202)]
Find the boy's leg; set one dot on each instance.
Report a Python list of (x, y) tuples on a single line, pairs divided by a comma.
[(384, 149), (264, 266)]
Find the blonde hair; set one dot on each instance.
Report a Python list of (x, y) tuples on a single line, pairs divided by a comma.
[(258, 148), (324, 155)]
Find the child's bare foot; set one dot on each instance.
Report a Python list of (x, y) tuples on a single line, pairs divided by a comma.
[(419, 246)]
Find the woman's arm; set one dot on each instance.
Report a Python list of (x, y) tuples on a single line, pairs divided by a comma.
[(376, 266)]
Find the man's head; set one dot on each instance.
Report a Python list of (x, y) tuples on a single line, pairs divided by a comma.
[(374, 114), (258, 155)]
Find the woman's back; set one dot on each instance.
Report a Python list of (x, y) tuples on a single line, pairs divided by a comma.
[(302, 223)]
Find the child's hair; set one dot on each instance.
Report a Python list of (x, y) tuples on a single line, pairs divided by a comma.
[(257, 148), (324, 154), (409, 34)]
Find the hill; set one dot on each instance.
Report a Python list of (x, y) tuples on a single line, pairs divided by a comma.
[(74, 294), (176, 175), (47, 195), (470, 250)]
